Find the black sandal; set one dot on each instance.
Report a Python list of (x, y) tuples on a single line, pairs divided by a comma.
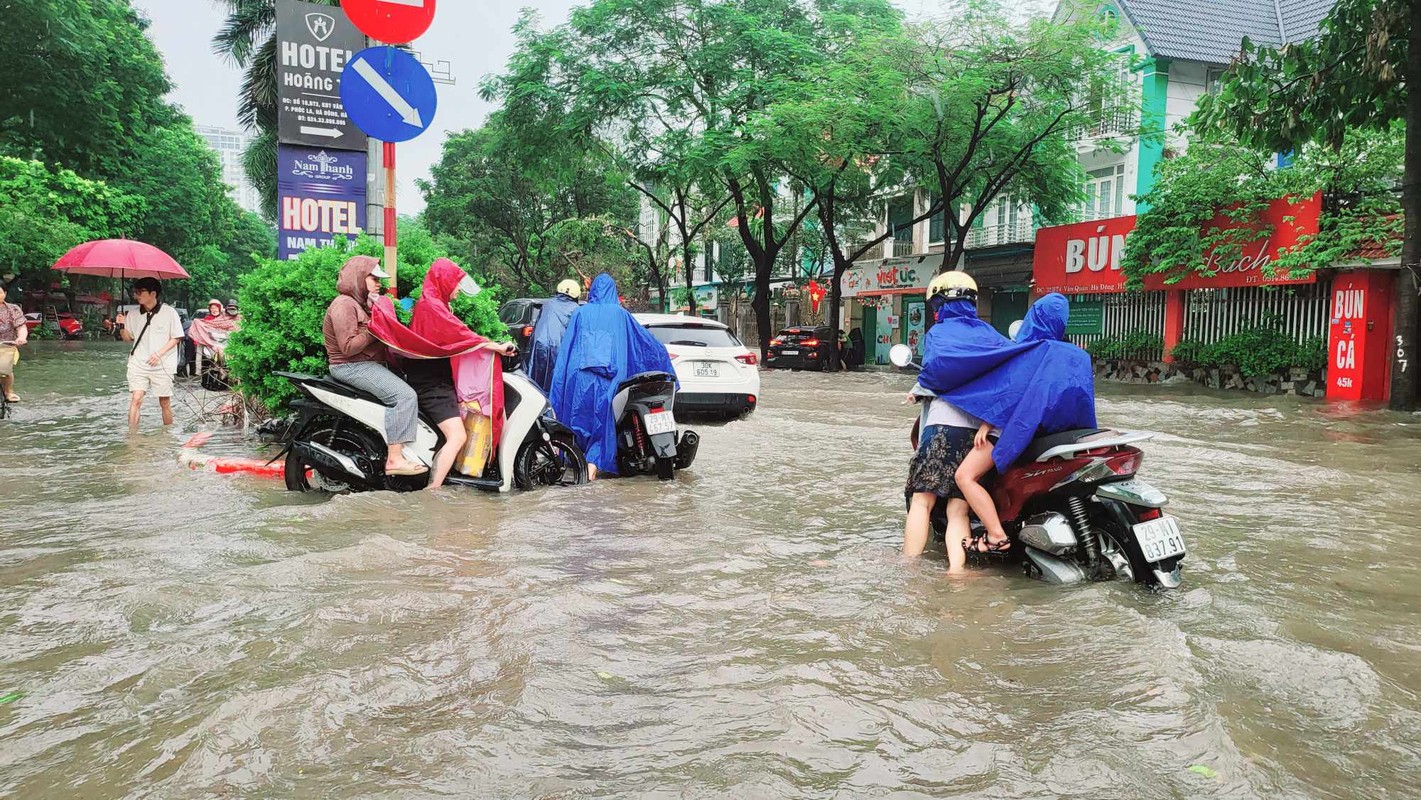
[(991, 546)]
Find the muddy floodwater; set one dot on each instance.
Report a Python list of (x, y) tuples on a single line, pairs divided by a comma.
[(748, 630)]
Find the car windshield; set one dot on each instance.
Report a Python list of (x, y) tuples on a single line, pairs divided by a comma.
[(798, 333), (694, 335), (512, 314)]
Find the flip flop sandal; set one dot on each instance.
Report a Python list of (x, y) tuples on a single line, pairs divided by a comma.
[(13, 398), (408, 469), (999, 548)]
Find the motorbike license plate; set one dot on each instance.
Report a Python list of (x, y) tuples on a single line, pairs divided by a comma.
[(660, 422), (789, 352), (707, 369), (1160, 539)]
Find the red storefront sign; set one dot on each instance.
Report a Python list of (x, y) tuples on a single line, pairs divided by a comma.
[(1085, 258)]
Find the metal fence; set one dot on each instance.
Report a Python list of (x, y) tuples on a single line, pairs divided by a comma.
[(1022, 231), (1130, 312), (1300, 311)]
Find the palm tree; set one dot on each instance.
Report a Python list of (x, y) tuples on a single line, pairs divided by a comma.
[(248, 40)]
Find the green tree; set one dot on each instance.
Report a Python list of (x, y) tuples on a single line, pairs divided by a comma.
[(504, 204), (1354, 75), (1218, 176), (45, 211)]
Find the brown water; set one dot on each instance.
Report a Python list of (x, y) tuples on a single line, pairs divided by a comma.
[(746, 631)]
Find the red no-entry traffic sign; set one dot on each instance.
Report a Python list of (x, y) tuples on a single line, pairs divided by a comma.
[(390, 21)]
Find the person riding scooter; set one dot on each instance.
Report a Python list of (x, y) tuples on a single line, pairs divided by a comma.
[(452, 369), (357, 358), (548, 333), (949, 434), (602, 347), (1024, 389)]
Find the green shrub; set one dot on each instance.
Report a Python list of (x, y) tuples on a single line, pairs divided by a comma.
[(1135, 345), (1260, 350), (284, 304)]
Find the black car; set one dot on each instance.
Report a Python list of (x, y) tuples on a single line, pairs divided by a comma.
[(520, 316), (801, 347)]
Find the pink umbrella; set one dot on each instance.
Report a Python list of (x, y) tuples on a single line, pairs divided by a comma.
[(120, 258)]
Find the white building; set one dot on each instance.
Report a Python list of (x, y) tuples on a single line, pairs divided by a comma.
[(229, 145)]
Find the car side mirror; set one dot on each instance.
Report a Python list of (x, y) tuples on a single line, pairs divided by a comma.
[(901, 355)]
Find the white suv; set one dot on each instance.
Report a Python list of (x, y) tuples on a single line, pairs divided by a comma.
[(717, 373)]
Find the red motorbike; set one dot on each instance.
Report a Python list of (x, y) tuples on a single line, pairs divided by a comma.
[(1075, 511)]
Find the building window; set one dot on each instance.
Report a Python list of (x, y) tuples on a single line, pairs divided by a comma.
[(1104, 193), (1212, 77), (936, 224), (900, 224)]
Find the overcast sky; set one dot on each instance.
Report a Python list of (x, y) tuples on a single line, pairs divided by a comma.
[(474, 36)]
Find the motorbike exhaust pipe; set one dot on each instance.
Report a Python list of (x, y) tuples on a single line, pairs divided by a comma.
[(686, 450), (328, 461)]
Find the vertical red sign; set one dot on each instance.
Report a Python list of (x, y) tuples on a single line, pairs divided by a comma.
[(1358, 357)]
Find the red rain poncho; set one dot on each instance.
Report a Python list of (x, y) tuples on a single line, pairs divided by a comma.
[(434, 332)]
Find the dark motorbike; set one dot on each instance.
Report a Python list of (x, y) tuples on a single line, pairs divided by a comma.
[(647, 438)]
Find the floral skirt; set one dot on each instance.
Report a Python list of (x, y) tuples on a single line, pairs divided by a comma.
[(941, 449)]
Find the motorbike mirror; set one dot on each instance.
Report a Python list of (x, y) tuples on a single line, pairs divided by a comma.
[(1011, 331), (901, 355)]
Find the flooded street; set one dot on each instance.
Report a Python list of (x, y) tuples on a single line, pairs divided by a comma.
[(746, 631)]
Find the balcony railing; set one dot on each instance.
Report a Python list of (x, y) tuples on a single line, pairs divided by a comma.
[(1022, 231), (1110, 122)]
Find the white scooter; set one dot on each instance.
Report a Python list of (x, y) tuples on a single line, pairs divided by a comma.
[(337, 442)]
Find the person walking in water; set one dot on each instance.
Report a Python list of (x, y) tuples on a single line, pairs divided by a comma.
[(155, 330), (357, 358), (13, 335)]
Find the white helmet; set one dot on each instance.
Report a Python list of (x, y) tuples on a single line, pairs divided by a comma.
[(954, 285), (571, 288)]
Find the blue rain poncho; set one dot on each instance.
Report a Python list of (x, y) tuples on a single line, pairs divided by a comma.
[(1034, 386), (547, 335), (602, 347)]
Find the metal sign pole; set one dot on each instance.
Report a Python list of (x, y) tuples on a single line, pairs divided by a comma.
[(391, 236)]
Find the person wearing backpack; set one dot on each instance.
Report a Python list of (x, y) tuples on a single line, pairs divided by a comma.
[(155, 330)]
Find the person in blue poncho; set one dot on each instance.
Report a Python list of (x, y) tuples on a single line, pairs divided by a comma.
[(1037, 385), (548, 333), (602, 347), (948, 432)]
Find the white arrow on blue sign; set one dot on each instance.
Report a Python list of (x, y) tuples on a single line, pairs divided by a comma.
[(388, 94)]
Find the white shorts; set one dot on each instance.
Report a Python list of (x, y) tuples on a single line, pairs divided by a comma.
[(143, 378)]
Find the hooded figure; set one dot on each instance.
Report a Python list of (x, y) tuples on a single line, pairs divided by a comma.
[(357, 359), (1037, 385), (435, 332), (345, 328), (214, 330), (548, 335), (602, 347)]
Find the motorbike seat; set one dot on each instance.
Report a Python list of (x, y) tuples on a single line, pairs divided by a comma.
[(331, 384), (644, 377), (1041, 444)]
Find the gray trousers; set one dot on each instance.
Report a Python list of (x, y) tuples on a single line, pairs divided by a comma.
[(402, 404)]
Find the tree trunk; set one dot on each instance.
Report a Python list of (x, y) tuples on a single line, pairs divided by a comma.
[(1404, 368)]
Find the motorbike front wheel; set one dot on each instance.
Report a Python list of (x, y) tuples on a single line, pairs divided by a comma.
[(554, 462)]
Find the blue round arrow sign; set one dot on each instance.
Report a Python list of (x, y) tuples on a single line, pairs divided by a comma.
[(388, 94)]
